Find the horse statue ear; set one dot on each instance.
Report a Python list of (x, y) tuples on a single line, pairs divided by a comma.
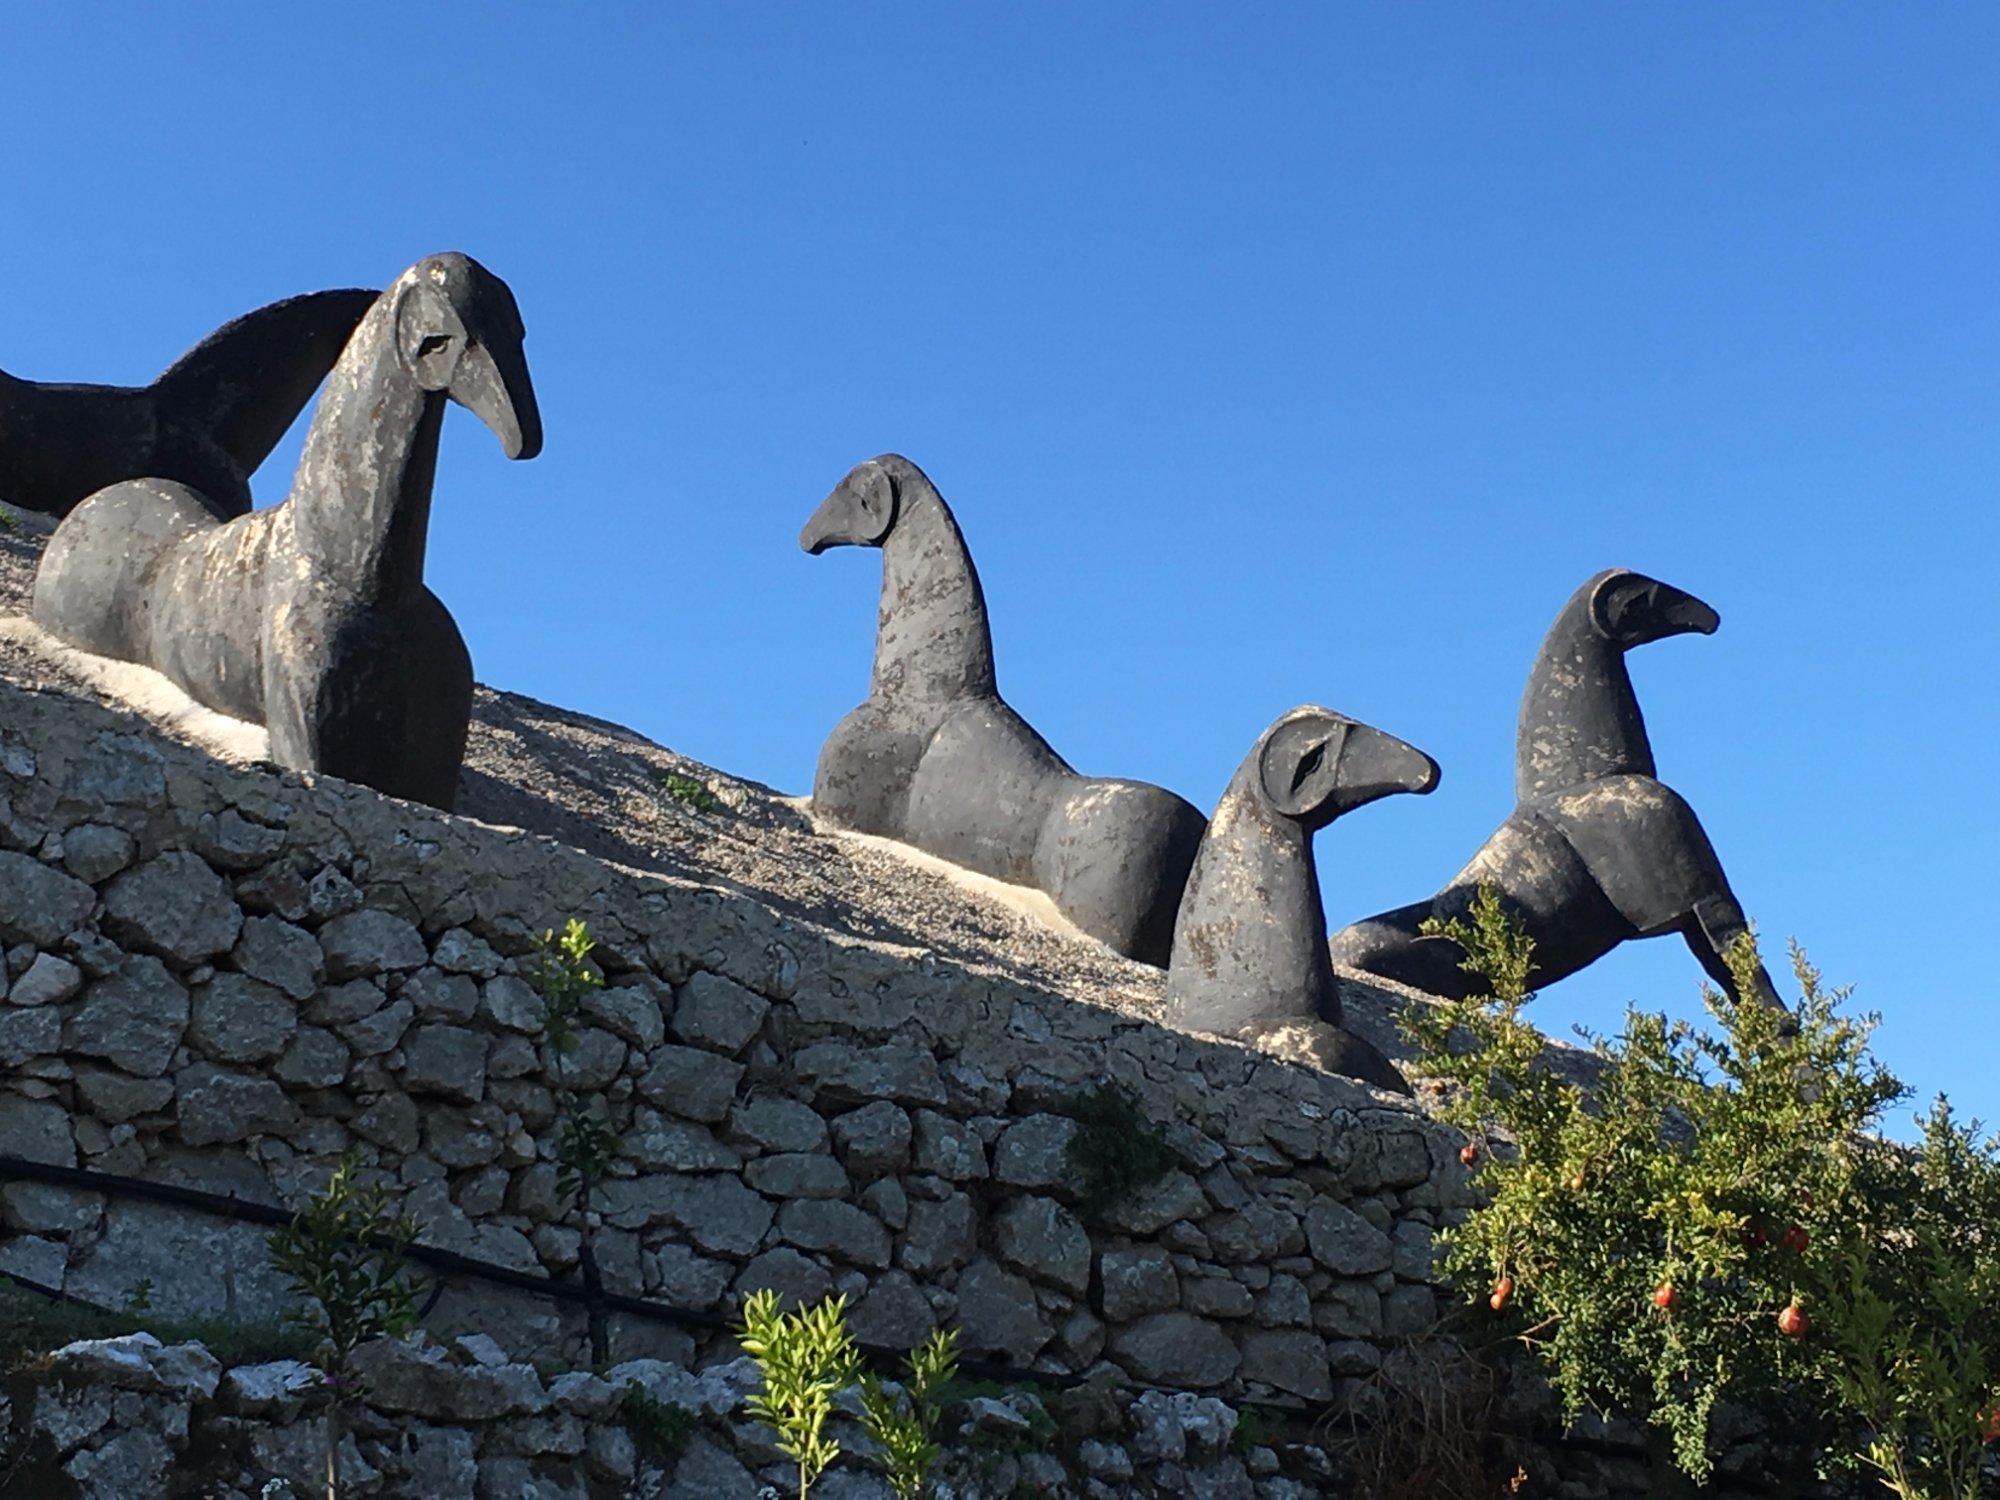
[(875, 500), (1299, 767), (430, 335), (1612, 602)]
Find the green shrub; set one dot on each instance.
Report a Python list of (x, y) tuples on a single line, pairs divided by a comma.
[(1718, 1218), (689, 792)]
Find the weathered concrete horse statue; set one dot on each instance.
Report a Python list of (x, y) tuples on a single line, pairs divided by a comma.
[(937, 759), (208, 422), (311, 617), (1598, 850)]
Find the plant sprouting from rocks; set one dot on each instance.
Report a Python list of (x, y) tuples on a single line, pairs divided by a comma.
[(689, 792), (902, 1425), (1115, 1150), (660, 1430), (585, 1143), (345, 1254), (806, 1358)]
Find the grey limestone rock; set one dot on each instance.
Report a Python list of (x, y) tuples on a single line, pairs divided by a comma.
[(48, 981), (134, 1019), (115, 1098), (1034, 1153), (185, 1258), (231, 841), (689, 1082), (798, 1280), (173, 905), (96, 851), (26, 1034), (841, 1230), (719, 1213), (1138, 1280), (947, 1148), (236, 1019), (1292, 1359), (1175, 1349), (779, 1124), (717, 1013), (998, 1314), (936, 758), (280, 954), (1042, 1238), (42, 904), (893, 1313), (873, 1140), (134, 1462), (311, 616), (798, 1174), (706, 1472), (36, 1130), (447, 1061), (899, 1071), (215, 1106), (370, 941), (631, 1011), (1343, 1241), (940, 1236), (513, 1003), (439, 996)]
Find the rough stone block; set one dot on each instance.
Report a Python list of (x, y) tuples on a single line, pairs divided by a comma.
[(718, 1013), (238, 1019), (134, 1019), (173, 905), (42, 905)]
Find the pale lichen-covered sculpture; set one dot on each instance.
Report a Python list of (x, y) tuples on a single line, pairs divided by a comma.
[(1598, 850), (937, 759), (311, 617), (208, 422), (1250, 948)]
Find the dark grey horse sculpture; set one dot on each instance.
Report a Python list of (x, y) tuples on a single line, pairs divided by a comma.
[(937, 759), (1598, 850), (1250, 941), (311, 617), (208, 422)]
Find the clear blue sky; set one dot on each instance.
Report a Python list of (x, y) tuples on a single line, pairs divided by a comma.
[(1268, 355)]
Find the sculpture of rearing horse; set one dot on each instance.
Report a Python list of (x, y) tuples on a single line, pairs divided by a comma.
[(311, 617)]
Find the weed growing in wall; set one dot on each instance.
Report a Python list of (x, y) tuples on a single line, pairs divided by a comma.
[(1720, 1218), (902, 1424), (660, 1430), (689, 792), (344, 1252), (1116, 1150), (807, 1358), (585, 1143)]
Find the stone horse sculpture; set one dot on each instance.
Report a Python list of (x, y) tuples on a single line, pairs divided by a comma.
[(311, 617), (1250, 949), (1598, 850), (937, 759), (208, 422)]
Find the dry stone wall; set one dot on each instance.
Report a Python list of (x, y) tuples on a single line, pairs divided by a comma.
[(223, 978)]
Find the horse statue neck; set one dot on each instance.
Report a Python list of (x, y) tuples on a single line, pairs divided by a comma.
[(932, 642), (361, 500), (1580, 719)]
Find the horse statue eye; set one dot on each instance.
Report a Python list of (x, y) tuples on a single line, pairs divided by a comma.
[(1309, 764)]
